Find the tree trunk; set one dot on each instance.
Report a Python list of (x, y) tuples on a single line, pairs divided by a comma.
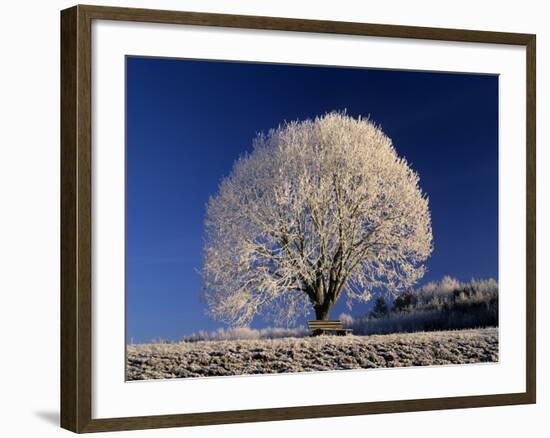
[(322, 312)]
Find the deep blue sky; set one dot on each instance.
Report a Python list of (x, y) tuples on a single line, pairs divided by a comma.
[(187, 121)]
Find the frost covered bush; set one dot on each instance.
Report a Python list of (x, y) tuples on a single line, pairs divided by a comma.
[(346, 319), (450, 292), (444, 305)]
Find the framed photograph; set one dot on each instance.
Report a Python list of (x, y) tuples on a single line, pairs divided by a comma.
[(269, 218)]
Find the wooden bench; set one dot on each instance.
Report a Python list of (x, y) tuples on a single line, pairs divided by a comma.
[(334, 327)]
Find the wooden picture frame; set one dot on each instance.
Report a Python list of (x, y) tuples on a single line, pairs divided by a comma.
[(76, 218)]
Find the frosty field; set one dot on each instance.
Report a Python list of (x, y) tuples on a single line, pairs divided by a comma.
[(322, 353)]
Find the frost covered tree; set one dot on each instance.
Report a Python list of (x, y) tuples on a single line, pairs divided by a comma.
[(319, 209)]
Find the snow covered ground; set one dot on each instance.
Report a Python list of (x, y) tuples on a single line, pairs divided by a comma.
[(322, 353)]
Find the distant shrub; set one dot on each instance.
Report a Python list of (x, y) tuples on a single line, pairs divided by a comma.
[(346, 319), (244, 333), (444, 305)]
